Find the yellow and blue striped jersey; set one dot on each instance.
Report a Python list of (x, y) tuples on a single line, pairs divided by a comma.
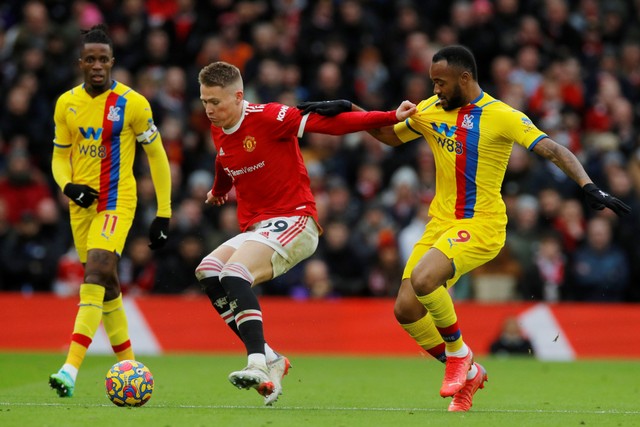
[(471, 146), (101, 134)]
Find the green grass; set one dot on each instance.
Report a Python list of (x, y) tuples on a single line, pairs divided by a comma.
[(192, 390)]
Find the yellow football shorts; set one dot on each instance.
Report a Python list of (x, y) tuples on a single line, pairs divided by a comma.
[(106, 230), (469, 243)]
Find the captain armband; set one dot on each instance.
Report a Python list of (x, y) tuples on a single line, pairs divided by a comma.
[(148, 136)]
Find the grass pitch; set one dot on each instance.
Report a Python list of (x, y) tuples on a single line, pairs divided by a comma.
[(192, 390)]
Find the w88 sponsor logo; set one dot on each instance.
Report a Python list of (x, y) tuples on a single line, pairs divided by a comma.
[(451, 145), (99, 151)]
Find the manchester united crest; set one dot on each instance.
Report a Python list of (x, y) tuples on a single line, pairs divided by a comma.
[(249, 144)]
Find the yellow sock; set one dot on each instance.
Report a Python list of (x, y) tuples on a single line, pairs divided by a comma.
[(87, 322), (440, 305), (115, 324), (426, 334)]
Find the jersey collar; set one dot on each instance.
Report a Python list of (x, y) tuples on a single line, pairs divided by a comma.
[(235, 127)]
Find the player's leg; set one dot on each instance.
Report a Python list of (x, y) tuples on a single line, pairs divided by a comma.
[(292, 239), (208, 275), (251, 262), (428, 279), (458, 249), (417, 322), (115, 226), (89, 309)]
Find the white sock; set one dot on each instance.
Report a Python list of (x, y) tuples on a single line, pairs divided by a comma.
[(258, 360), (71, 370), (472, 372), (464, 350), (269, 353)]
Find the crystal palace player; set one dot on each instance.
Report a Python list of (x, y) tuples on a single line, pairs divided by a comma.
[(471, 135), (258, 153), (98, 126)]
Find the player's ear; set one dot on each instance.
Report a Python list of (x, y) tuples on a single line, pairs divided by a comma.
[(239, 96)]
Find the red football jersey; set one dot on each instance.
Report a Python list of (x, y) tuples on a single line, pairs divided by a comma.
[(260, 156)]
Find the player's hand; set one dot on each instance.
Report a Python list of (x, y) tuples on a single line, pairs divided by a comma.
[(405, 110), (598, 199), (216, 200), (82, 195), (325, 108), (158, 232)]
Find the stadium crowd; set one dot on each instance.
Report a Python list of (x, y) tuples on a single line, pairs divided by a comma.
[(573, 66)]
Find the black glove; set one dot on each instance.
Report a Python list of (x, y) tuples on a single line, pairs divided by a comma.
[(325, 108), (158, 232), (82, 195), (598, 199)]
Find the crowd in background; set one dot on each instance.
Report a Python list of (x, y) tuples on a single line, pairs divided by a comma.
[(572, 66)]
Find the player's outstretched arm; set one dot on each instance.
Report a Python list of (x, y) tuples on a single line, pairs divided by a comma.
[(569, 163), (386, 134)]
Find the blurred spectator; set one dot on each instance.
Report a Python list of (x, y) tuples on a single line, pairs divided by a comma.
[(234, 50), (316, 281), (266, 45), (570, 224), (599, 268), (511, 340), (402, 198), (347, 270), (409, 235), (69, 275), (386, 273), (175, 274), (366, 234), (28, 259), (371, 79), (23, 187), (551, 263), (497, 280), (137, 267), (523, 236), (526, 71), (556, 26)]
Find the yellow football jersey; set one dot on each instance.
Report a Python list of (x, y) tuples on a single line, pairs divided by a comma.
[(471, 147), (101, 134)]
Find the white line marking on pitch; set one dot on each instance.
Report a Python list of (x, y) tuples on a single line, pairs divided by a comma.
[(333, 408)]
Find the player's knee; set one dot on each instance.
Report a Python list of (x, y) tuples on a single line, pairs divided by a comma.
[(424, 281), (210, 266), (407, 310), (236, 269)]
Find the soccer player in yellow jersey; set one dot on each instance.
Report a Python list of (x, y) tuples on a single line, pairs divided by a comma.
[(471, 135), (97, 127)]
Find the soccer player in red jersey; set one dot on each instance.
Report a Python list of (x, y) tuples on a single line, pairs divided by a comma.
[(471, 135), (258, 154)]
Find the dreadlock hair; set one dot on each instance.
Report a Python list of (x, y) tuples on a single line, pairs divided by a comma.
[(97, 34)]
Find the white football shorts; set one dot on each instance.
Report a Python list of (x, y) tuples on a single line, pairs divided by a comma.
[(293, 238)]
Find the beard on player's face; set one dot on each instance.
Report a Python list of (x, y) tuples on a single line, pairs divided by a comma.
[(455, 100)]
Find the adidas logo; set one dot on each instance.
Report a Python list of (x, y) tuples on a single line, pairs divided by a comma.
[(221, 152)]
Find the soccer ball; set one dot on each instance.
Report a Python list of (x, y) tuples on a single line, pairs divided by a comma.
[(129, 383)]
